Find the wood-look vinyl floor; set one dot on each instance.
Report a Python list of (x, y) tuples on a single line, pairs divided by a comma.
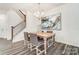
[(20, 49)]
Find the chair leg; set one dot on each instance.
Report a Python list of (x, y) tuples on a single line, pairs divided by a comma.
[(26, 44), (30, 46), (54, 40), (64, 49), (37, 50)]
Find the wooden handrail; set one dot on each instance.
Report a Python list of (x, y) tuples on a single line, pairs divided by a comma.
[(22, 12), (20, 22), (17, 24)]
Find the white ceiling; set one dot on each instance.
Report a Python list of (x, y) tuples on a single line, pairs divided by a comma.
[(30, 6)]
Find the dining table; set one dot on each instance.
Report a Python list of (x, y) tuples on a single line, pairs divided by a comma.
[(45, 37)]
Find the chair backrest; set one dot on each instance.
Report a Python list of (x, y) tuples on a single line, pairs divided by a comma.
[(42, 31), (49, 31), (33, 38), (26, 36)]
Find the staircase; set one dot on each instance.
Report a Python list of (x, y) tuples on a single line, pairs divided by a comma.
[(15, 30)]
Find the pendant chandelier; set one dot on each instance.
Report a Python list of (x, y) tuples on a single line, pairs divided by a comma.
[(39, 13)]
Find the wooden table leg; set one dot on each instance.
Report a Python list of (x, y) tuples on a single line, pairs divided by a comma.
[(64, 49), (45, 46)]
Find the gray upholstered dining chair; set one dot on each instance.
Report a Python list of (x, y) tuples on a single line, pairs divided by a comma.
[(27, 39), (52, 38), (36, 43), (50, 32)]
